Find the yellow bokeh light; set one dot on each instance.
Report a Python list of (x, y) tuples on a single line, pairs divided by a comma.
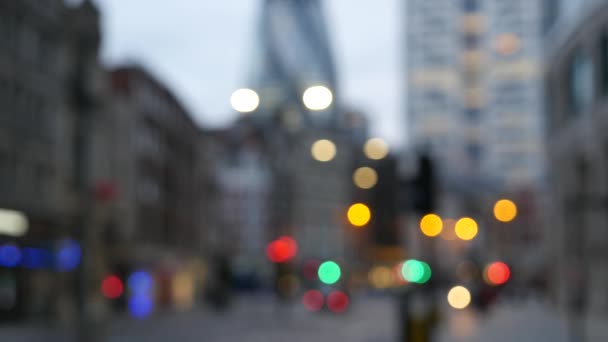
[(375, 148), (431, 225), (323, 150), (183, 290), (317, 98), (244, 100), (459, 297), (466, 228), (359, 214), (505, 210), (365, 177), (380, 277)]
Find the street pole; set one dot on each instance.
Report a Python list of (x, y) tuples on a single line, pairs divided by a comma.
[(86, 211)]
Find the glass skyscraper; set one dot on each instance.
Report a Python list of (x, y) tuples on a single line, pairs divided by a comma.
[(292, 53)]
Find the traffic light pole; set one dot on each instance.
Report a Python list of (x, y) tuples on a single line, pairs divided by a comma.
[(410, 299)]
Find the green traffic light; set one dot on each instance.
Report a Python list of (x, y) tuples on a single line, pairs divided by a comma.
[(416, 271), (427, 273), (329, 272)]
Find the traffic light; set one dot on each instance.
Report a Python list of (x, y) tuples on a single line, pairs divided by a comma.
[(282, 249), (424, 186), (281, 252), (383, 204)]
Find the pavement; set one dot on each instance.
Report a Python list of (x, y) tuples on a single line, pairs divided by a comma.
[(260, 318), (370, 319), (516, 320)]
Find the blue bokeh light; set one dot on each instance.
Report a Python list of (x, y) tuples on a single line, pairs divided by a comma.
[(10, 255), (68, 256), (140, 306), (140, 283), (34, 258)]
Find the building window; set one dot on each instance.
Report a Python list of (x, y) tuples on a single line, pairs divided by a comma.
[(472, 114), (507, 44), (471, 41), (551, 117), (149, 191), (580, 83), (8, 174), (550, 14), (470, 5), (604, 61), (474, 151)]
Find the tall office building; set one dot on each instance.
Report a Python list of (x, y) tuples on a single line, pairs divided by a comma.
[(292, 53), (308, 197), (474, 90)]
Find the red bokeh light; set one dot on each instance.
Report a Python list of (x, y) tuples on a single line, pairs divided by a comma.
[(398, 275), (112, 287), (498, 273), (313, 300), (282, 249), (293, 245), (337, 301), (105, 191), (310, 269)]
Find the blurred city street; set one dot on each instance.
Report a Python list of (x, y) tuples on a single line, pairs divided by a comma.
[(523, 321), (302, 170), (253, 319), (371, 319)]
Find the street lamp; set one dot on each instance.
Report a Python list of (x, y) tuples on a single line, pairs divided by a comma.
[(317, 98), (245, 100)]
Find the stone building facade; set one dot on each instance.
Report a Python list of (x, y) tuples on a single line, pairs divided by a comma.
[(576, 81)]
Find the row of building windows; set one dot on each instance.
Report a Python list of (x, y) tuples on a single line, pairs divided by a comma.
[(583, 73), (20, 179), (27, 43), (155, 103), (470, 5), (22, 106)]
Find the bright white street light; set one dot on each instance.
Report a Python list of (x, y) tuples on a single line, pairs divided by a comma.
[(245, 100), (12, 223), (317, 98)]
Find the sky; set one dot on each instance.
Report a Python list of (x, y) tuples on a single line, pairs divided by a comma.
[(200, 49)]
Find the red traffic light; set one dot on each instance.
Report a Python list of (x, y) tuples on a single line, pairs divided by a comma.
[(282, 249), (497, 273)]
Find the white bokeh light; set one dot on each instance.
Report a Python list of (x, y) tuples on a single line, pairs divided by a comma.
[(317, 98), (244, 100)]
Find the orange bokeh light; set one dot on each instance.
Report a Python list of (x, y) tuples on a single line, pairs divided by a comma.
[(358, 214)]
